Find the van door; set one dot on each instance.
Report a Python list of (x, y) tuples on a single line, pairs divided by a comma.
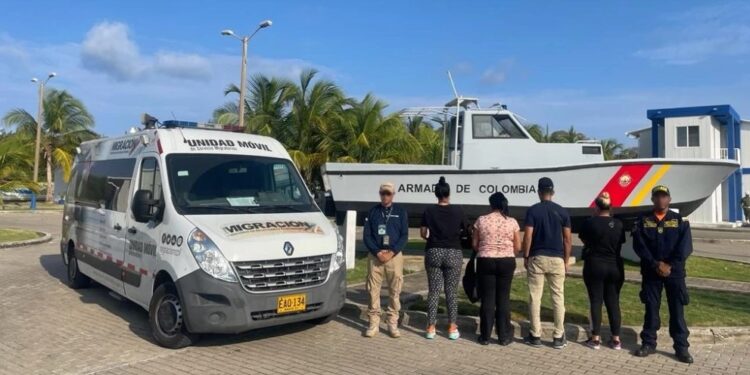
[(142, 237), (100, 214)]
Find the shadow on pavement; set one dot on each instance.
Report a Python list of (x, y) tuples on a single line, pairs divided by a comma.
[(136, 317)]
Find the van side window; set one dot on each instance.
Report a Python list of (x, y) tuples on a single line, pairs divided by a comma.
[(104, 184), (150, 177)]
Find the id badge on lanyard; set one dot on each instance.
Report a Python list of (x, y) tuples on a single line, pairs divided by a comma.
[(382, 229)]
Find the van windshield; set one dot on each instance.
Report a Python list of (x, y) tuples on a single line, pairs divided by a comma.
[(228, 184)]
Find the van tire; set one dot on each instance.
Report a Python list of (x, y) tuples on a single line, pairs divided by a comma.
[(324, 319), (76, 279), (165, 316)]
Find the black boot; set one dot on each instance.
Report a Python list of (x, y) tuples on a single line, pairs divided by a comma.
[(684, 356), (645, 351)]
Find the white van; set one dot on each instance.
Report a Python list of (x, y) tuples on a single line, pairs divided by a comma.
[(210, 231)]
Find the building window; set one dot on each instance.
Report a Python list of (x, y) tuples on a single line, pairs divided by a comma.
[(688, 136)]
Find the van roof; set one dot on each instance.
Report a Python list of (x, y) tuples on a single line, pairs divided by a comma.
[(182, 141)]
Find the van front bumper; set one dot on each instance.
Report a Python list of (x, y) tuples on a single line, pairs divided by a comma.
[(211, 305)]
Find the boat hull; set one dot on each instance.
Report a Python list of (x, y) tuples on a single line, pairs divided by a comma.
[(629, 183)]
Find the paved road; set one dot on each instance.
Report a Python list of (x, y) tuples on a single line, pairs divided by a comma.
[(46, 327)]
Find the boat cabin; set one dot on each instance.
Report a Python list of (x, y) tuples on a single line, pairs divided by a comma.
[(496, 138)]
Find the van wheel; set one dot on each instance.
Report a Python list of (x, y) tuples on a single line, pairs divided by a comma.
[(165, 316), (324, 319), (76, 279)]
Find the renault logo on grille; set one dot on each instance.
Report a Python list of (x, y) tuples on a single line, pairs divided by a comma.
[(288, 248)]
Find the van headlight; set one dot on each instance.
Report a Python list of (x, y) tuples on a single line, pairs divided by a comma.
[(339, 258), (208, 256)]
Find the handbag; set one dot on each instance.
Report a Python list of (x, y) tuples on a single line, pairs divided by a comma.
[(470, 284)]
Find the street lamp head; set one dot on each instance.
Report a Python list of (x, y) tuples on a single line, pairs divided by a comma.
[(52, 74), (265, 24), (35, 80), (227, 32)]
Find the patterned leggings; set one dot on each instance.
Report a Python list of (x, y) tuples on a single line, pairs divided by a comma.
[(443, 271)]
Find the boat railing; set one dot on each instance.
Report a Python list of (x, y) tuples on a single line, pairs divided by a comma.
[(724, 154)]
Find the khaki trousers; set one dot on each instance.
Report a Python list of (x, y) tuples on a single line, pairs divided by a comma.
[(553, 270), (393, 273)]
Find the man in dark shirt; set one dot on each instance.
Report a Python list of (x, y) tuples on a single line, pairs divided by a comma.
[(386, 231), (663, 241), (547, 242)]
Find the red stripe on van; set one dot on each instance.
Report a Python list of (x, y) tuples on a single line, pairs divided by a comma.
[(623, 182)]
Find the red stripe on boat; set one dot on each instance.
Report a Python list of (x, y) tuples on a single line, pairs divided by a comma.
[(623, 182)]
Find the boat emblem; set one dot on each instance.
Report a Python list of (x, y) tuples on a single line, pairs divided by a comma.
[(625, 180), (288, 248)]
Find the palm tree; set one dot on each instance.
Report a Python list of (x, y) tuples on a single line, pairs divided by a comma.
[(316, 108), (67, 123), (265, 106), (16, 163), (567, 136), (539, 133), (627, 153), (367, 136), (611, 148)]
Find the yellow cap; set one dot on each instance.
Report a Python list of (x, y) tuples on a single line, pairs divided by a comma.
[(660, 189)]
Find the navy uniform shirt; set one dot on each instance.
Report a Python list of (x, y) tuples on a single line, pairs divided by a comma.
[(668, 240), (396, 223)]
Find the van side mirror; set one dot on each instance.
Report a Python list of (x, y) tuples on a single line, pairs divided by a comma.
[(141, 206)]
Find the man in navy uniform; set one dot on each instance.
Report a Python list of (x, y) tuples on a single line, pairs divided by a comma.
[(663, 241)]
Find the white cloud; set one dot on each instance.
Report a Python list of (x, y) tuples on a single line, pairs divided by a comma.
[(187, 84), (701, 34), (497, 73), (181, 65), (108, 48)]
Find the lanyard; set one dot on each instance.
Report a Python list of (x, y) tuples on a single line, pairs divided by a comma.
[(388, 215)]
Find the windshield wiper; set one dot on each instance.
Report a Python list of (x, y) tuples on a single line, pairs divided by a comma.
[(290, 207), (224, 208)]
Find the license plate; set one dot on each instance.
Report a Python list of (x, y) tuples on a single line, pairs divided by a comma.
[(291, 303)]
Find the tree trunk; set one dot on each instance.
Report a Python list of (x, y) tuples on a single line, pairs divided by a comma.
[(48, 158)]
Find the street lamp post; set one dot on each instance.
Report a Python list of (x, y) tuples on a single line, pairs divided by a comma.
[(39, 119), (243, 71)]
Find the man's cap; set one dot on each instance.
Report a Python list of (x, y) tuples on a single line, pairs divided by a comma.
[(545, 183), (388, 186), (660, 189)]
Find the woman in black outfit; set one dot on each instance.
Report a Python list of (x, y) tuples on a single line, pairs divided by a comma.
[(603, 273), (442, 226)]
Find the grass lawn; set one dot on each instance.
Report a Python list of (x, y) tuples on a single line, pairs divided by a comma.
[(706, 308), (12, 235), (708, 268), (24, 206)]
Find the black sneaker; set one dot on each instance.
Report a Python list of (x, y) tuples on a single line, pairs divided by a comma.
[(559, 343), (505, 342), (483, 341), (645, 351), (684, 356), (533, 341), (593, 344)]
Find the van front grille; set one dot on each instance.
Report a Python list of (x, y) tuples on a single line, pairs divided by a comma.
[(283, 274)]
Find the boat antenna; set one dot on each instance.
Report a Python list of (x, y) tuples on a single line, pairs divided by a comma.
[(458, 110)]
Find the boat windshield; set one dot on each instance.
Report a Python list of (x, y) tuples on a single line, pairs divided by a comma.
[(228, 184)]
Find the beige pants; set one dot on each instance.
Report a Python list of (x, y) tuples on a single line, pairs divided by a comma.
[(393, 272), (553, 270)]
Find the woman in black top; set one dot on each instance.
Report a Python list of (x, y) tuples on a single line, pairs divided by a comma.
[(442, 227), (603, 273)]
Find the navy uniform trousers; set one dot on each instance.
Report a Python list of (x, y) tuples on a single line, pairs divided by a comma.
[(677, 298)]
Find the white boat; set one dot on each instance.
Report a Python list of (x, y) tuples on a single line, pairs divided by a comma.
[(491, 151)]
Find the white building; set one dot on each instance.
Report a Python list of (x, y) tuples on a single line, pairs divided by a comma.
[(708, 132)]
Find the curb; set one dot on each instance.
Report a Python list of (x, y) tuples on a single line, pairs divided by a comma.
[(45, 237), (720, 240), (573, 332)]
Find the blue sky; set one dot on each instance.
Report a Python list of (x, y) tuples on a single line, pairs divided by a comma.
[(595, 65)]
